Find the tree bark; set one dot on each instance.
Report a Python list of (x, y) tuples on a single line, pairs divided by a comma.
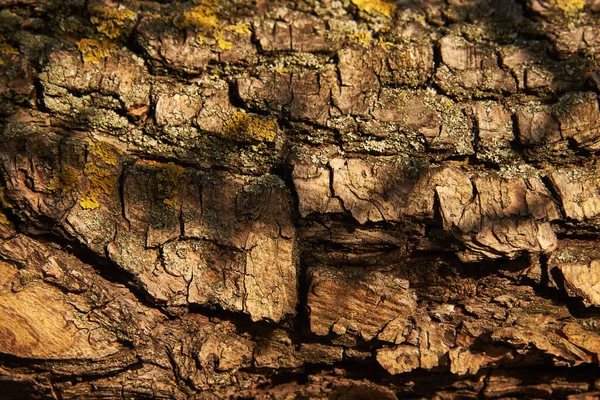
[(312, 199)]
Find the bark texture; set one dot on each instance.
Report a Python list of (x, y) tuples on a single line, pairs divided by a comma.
[(332, 199)]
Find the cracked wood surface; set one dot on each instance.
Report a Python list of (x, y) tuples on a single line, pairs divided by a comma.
[(317, 199)]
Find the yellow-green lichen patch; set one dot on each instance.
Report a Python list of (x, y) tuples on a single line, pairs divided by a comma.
[(4, 202), (202, 16), (363, 38), (222, 43), (89, 202), (167, 179), (94, 51), (203, 19), (240, 29), (6, 50), (65, 179), (112, 22), (100, 174), (282, 70), (104, 152), (384, 44), (382, 7), (570, 6), (101, 179), (245, 127), (4, 220)]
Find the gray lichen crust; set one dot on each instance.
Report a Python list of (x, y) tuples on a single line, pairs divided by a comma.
[(299, 199)]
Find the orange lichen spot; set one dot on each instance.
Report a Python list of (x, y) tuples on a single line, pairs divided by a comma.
[(240, 29), (244, 127), (167, 179), (202, 16), (363, 38), (93, 51), (65, 179), (112, 22), (382, 7), (570, 6)]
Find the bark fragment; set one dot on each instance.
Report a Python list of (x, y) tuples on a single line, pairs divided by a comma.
[(351, 199)]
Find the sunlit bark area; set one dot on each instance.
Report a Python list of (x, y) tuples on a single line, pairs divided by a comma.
[(355, 199)]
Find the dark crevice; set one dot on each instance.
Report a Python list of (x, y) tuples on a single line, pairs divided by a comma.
[(578, 149), (188, 163), (547, 181), (39, 96), (558, 295), (74, 370), (95, 376), (243, 322), (580, 233), (436, 257), (516, 145), (106, 268), (301, 321)]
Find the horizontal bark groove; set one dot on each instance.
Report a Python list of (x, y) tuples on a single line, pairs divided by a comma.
[(315, 199)]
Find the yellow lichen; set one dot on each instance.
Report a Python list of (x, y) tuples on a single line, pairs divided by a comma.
[(7, 47), (65, 180), (104, 152), (570, 6), (258, 147), (93, 51), (240, 29), (101, 177), (222, 43), (4, 220), (101, 180), (167, 179), (242, 127), (202, 16), (375, 6), (6, 50), (4, 202), (112, 22), (363, 38), (281, 70), (203, 19), (99, 170), (89, 202), (384, 44)]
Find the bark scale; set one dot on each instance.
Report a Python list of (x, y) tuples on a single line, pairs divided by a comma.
[(316, 199)]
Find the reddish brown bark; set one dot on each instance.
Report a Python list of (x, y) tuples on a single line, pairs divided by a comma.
[(318, 199)]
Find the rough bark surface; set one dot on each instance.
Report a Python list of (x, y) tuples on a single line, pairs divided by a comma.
[(332, 199)]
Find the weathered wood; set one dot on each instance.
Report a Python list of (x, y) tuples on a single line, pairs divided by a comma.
[(315, 199)]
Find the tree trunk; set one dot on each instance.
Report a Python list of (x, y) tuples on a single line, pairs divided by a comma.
[(299, 199)]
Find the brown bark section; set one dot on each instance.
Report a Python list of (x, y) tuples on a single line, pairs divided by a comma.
[(317, 199)]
